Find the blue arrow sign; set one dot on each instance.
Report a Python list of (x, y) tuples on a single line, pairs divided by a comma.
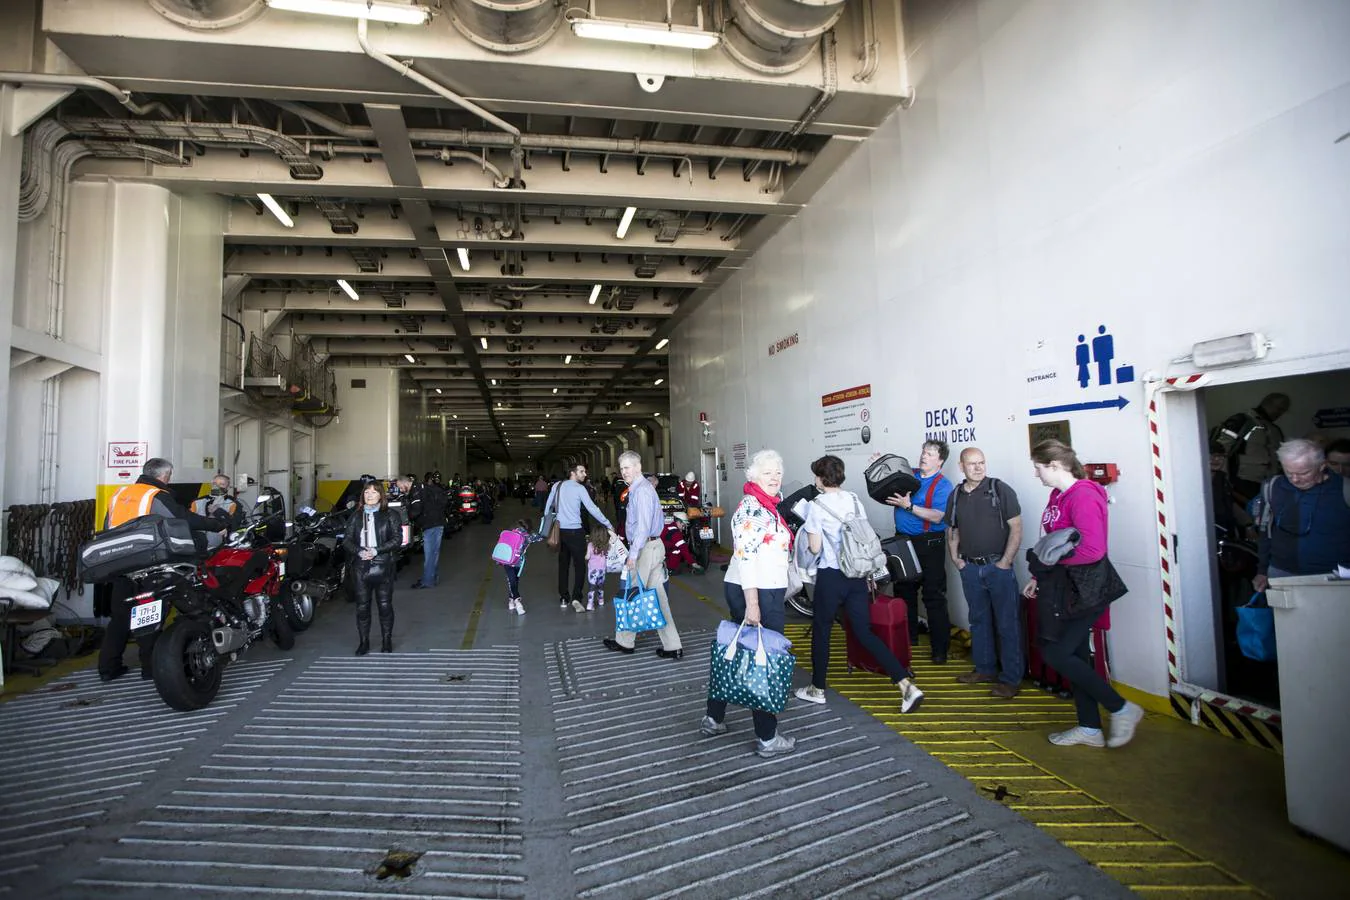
[(1119, 403)]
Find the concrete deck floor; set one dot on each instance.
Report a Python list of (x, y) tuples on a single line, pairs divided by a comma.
[(525, 761)]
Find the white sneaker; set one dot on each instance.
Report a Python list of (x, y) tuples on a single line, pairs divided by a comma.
[(777, 746), (910, 695), (811, 694), (577, 607), (511, 605), (711, 728), (1123, 724), (520, 607), (1088, 737)]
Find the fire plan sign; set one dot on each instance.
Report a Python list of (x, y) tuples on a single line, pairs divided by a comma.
[(848, 419), (127, 454)]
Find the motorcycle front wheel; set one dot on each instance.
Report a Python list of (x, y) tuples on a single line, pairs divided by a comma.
[(280, 627), (186, 667), (299, 606)]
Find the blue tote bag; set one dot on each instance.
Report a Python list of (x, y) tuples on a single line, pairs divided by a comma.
[(1256, 629), (637, 608), (756, 678)]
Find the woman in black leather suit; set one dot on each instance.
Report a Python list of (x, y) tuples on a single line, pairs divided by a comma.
[(373, 534)]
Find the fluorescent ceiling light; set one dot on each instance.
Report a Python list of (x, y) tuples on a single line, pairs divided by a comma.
[(483, 341), (409, 357), (374, 10), (658, 33), (567, 360), (555, 390), (609, 423), (464, 258), (656, 414), (537, 435), (595, 295), (661, 343), (628, 403), (658, 381), (625, 222), (275, 207), (454, 415), (351, 291), (438, 390)]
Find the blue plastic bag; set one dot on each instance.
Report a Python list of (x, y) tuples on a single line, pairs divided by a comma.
[(637, 608), (1256, 629)]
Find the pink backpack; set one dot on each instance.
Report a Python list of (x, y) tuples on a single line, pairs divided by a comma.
[(510, 548)]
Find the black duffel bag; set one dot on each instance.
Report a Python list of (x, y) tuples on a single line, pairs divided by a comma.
[(889, 474), (901, 561), (140, 543)]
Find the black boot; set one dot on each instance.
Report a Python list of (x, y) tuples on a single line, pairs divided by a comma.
[(384, 598), (364, 647), (363, 622)]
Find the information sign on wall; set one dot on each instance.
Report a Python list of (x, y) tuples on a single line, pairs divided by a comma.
[(1044, 431), (738, 454), (847, 416), (127, 454)]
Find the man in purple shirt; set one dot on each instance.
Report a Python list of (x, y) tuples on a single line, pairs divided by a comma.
[(646, 555)]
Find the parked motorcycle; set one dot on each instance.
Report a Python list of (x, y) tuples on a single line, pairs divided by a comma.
[(315, 565)]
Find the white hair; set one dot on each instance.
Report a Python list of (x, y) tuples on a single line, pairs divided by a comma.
[(631, 456), (762, 460), (1301, 451)]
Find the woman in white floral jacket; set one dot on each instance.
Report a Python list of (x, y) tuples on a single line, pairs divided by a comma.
[(756, 582)]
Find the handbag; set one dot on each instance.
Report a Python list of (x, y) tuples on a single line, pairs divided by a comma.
[(554, 539), (757, 679), (638, 607), (548, 523), (1256, 629), (902, 562)]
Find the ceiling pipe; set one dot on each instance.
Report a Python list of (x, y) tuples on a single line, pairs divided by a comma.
[(627, 146), (85, 81), (289, 150)]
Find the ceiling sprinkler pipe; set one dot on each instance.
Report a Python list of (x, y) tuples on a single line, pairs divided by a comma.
[(85, 81)]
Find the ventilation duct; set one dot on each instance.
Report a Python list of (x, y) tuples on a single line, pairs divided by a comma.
[(208, 15), (506, 26), (776, 37)]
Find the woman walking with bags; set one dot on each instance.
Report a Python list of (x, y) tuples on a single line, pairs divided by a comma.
[(1064, 627), (756, 583), (372, 537), (824, 526)]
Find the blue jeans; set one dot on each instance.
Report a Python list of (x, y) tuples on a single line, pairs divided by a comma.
[(431, 554), (772, 615), (995, 609)]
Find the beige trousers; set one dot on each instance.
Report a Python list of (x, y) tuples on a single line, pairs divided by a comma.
[(651, 568)]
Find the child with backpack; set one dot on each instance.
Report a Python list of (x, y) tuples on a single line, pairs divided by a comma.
[(509, 553), (597, 551)]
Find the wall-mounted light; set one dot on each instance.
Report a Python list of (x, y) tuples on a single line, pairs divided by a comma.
[(661, 343), (351, 291), (464, 258), (624, 222), (373, 10), (483, 342), (276, 210), (595, 295), (1228, 351), (409, 357)]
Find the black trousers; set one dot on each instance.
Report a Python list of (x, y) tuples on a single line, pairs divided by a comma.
[(572, 554), (833, 590), (773, 616), (119, 632), (382, 592), (1071, 656), (932, 553)]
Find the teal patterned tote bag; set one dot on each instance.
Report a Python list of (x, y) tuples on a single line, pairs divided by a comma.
[(637, 608), (754, 678)]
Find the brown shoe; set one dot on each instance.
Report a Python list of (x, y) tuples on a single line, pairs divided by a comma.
[(974, 678), (1003, 691)]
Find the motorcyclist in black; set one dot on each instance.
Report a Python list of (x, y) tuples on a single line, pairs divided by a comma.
[(373, 535)]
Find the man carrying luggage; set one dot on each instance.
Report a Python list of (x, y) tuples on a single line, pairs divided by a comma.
[(984, 532), (919, 520)]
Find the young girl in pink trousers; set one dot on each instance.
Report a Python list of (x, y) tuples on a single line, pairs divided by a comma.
[(596, 550)]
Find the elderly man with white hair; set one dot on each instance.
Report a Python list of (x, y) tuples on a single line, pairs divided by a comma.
[(1303, 517), (646, 555)]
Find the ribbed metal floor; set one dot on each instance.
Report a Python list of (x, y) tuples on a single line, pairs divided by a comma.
[(417, 753), (78, 749), (657, 811)]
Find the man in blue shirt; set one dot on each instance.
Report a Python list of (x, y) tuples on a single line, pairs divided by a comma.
[(571, 496), (1305, 517), (646, 555), (919, 519)]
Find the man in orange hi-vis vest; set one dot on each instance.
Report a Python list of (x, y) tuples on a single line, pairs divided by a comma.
[(148, 495)]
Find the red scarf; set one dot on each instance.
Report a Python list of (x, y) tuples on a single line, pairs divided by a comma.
[(766, 501)]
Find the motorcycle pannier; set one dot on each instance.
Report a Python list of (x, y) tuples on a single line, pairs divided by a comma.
[(889, 474), (140, 543)]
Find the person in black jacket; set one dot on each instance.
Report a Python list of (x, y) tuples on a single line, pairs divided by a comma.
[(373, 534), (428, 512)]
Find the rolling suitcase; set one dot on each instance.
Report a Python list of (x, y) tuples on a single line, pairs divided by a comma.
[(890, 622), (1045, 677)]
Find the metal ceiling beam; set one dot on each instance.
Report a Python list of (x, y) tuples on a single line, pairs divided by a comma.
[(535, 303), (391, 131)]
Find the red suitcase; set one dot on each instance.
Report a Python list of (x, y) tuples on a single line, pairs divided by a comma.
[(1042, 675), (890, 622)]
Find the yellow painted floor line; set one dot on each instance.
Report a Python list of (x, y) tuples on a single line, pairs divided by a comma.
[(471, 629), (959, 726)]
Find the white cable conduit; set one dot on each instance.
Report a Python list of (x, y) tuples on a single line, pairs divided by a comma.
[(85, 81)]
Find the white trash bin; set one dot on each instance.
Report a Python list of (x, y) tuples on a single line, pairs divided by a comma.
[(1312, 626)]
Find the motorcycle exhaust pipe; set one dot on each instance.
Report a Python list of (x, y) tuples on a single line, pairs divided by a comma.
[(315, 589), (228, 640)]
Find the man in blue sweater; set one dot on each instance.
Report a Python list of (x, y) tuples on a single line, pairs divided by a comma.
[(1304, 517)]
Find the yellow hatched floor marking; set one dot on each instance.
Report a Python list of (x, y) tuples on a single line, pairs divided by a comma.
[(959, 726)]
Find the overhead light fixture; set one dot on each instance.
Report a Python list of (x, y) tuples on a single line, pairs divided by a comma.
[(438, 390), (609, 423), (537, 435), (483, 341), (628, 403), (494, 382), (661, 34), (372, 10), (567, 360), (409, 358), (555, 390), (657, 382), (595, 295), (661, 343), (625, 222), (276, 210), (454, 415), (1228, 351), (545, 415), (351, 291), (464, 258), (656, 413)]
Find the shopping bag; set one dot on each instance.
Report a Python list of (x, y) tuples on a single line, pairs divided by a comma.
[(616, 558), (1256, 629), (637, 608), (756, 679)]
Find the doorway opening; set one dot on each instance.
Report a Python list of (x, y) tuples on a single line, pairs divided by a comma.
[(709, 478)]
